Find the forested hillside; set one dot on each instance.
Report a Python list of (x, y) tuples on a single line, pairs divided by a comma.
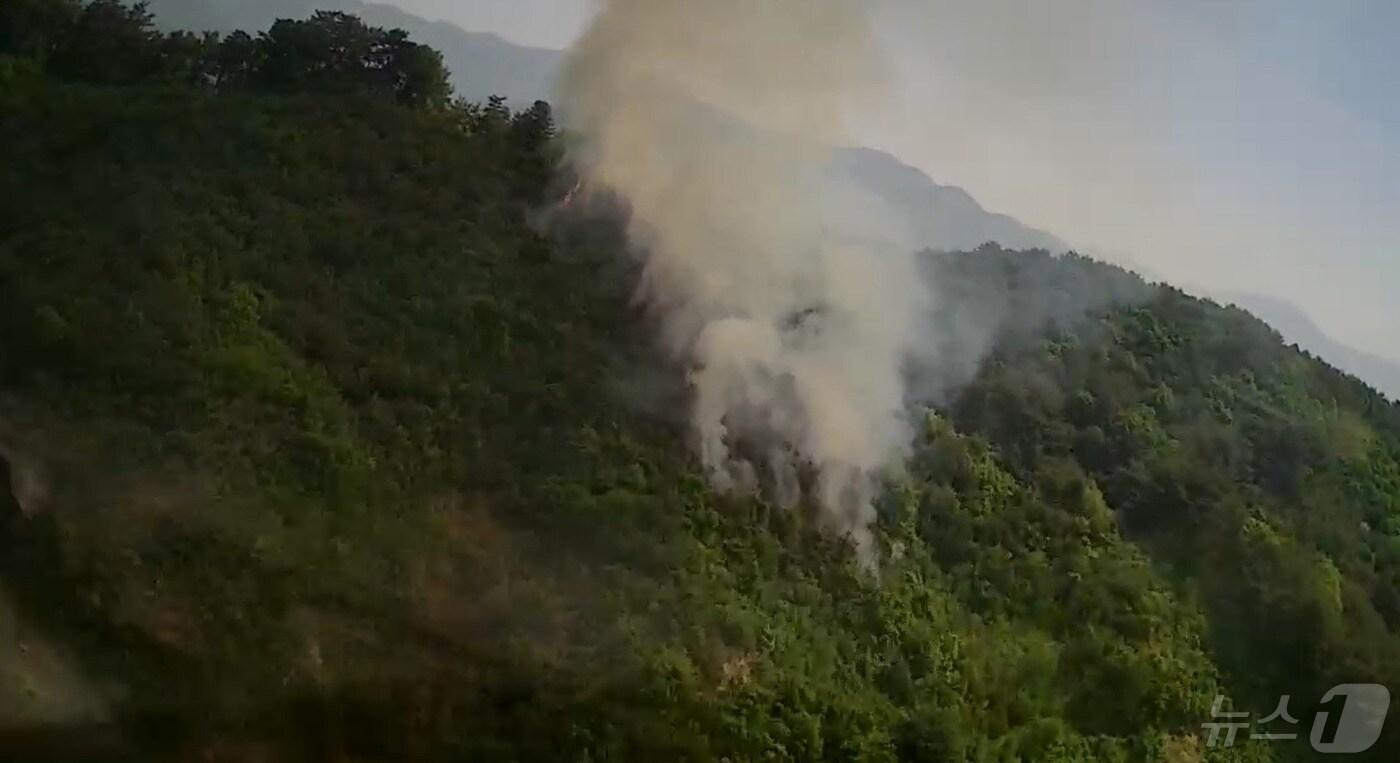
[(942, 217), (327, 434), (482, 64), (1298, 328)]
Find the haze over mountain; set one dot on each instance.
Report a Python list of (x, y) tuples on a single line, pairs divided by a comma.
[(1251, 146), (1298, 328), (943, 217), (483, 64)]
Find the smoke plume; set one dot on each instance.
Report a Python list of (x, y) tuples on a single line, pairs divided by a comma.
[(715, 120)]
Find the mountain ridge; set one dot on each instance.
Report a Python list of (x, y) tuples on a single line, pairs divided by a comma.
[(941, 217), (1298, 328)]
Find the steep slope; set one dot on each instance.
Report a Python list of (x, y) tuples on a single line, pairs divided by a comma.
[(348, 477), (1298, 328), (347, 461)]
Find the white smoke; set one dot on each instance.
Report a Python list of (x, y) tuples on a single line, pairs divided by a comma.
[(716, 120)]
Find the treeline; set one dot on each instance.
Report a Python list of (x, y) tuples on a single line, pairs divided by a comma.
[(109, 42)]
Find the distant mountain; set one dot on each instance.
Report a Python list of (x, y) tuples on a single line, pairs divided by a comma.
[(941, 217), (938, 216), (1296, 327), (482, 64)]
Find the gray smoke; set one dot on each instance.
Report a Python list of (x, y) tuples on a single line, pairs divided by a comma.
[(716, 120)]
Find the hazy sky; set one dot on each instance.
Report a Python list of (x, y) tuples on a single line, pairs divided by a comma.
[(1247, 145), (539, 23)]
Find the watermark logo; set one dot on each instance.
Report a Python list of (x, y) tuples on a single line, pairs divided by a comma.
[(1349, 720)]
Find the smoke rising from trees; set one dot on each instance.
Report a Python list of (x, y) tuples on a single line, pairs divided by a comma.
[(715, 121)]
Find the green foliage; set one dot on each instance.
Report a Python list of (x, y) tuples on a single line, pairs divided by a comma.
[(334, 51), (109, 42), (346, 458), (35, 29), (1254, 476)]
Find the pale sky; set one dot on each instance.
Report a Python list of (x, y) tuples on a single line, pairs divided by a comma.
[(537, 23), (1241, 145)]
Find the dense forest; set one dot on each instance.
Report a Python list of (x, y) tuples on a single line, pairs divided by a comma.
[(325, 434)]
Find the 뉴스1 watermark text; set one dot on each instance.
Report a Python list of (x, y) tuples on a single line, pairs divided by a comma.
[(1348, 720)]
